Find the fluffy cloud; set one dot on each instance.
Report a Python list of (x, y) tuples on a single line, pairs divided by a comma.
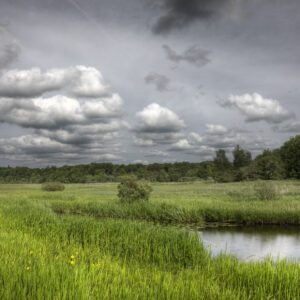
[(44, 150), (79, 81), (31, 144), (161, 82), (216, 129), (143, 142), (193, 55), (82, 135), (157, 119), (157, 125), (182, 144), (215, 137), (228, 139), (58, 111), (62, 128), (257, 108), (10, 48)]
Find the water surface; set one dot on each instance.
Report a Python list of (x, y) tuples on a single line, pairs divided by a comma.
[(254, 243)]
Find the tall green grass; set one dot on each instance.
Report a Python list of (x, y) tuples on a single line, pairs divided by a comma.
[(49, 256), (189, 203)]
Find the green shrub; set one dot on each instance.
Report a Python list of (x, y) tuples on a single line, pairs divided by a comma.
[(131, 190), (266, 191), (53, 186)]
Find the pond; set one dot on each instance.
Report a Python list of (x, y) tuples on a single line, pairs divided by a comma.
[(253, 243)]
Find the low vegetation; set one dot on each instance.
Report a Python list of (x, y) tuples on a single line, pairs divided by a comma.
[(46, 255), (131, 190), (53, 186), (186, 203), (266, 191)]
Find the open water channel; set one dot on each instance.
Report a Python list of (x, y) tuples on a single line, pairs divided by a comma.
[(253, 243)]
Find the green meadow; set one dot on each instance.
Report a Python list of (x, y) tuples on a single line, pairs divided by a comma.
[(81, 243)]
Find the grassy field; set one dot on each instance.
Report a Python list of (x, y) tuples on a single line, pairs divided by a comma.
[(81, 244), (182, 203)]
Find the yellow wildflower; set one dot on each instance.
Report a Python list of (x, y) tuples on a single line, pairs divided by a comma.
[(72, 256), (28, 268), (72, 262), (30, 252)]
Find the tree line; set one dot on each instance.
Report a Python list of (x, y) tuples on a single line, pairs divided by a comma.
[(281, 163)]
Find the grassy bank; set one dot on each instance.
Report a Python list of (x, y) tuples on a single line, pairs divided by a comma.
[(182, 203), (45, 255)]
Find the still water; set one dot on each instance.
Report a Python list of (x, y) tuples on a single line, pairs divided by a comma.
[(253, 243)]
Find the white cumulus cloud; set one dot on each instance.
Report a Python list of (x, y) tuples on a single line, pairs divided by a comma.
[(157, 119), (79, 81), (58, 111), (257, 108)]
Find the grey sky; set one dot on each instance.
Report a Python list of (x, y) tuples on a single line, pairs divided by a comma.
[(90, 81)]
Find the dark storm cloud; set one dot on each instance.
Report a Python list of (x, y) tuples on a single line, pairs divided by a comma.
[(193, 55), (181, 13), (161, 82)]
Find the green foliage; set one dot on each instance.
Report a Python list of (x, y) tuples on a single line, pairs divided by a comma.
[(269, 166), (266, 191), (223, 176), (131, 190), (290, 154), (221, 161), (245, 173), (53, 186), (241, 157)]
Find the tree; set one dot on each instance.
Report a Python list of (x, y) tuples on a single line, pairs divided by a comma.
[(290, 154), (241, 157), (223, 167), (268, 166), (221, 161)]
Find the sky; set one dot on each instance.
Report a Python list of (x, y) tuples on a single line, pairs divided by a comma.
[(143, 81)]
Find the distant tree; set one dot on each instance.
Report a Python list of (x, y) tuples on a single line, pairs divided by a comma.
[(222, 167), (269, 165), (290, 154), (241, 157), (221, 161)]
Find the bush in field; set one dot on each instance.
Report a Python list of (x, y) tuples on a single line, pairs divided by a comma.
[(266, 191), (131, 190), (53, 186)]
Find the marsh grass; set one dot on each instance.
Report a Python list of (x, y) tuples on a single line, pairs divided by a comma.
[(267, 191), (187, 203), (49, 256)]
